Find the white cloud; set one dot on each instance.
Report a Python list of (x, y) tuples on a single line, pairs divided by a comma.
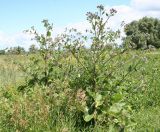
[(146, 4)]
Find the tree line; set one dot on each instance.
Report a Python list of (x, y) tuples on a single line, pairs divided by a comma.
[(19, 50), (142, 34)]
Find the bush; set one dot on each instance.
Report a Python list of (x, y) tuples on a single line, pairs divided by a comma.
[(89, 82)]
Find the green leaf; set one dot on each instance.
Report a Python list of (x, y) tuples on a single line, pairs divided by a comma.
[(98, 100), (88, 117), (48, 33), (116, 108), (117, 97), (92, 94)]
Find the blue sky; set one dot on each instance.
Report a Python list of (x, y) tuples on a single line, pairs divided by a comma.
[(17, 15)]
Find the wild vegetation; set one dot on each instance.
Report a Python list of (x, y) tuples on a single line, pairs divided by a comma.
[(80, 82)]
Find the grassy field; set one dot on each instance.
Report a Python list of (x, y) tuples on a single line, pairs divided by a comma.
[(31, 112)]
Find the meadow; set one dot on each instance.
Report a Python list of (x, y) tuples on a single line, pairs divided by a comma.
[(66, 86), (31, 111)]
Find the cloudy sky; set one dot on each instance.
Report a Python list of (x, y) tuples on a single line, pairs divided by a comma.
[(18, 15)]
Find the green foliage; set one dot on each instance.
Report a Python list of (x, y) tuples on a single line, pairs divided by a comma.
[(80, 82), (144, 91), (2, 52), (25, 112), (148, 119), (143, 33), (44, 66), (33, 49), (92, 76), (16, 50), (98, 78)]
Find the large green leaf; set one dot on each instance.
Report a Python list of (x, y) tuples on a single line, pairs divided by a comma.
[(88, 117), (48, 33), (117, 97), (98, 100), (116, 108)]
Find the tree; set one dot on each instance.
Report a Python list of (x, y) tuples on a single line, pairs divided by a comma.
[(16, 50), (143, 33), (33, 49)]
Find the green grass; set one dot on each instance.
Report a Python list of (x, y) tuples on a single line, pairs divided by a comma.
[(31, 112), (9, 71), (148, 119)]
